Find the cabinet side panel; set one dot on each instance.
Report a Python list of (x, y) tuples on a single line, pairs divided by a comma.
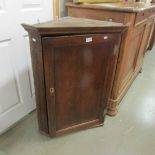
[(38, 72)]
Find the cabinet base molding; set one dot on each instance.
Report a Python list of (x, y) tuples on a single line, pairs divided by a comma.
[(79, 127), (112, 108)]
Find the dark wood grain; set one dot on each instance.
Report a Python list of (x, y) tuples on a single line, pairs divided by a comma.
[(39, 81), (80, 67)]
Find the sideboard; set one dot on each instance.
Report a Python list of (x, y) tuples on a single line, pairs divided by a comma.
[(140, 18)]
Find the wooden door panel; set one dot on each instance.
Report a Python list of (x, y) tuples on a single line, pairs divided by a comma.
[(132, 54), (67, 75), (79, 72), (129, 65), (78, 84)]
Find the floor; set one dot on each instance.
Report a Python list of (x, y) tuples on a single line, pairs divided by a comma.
[(131, 132)]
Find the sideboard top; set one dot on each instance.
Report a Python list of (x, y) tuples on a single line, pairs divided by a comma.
[(131, 7)]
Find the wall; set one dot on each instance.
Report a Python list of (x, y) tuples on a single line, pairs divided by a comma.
[(63, 10)]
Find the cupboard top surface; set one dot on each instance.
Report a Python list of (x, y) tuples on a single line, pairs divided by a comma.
[(118, 6), (76, 22), (74, 25)]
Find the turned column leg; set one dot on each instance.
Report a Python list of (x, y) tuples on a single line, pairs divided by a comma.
[(112, 108), (141, 70)]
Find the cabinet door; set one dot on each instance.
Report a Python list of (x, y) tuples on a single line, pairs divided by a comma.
[(131, 55), (143, 35), (78, 72), (145, 43), (148, 33), (151, 40)]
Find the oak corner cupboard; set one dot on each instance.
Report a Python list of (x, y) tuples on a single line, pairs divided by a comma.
[(74, 63)]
